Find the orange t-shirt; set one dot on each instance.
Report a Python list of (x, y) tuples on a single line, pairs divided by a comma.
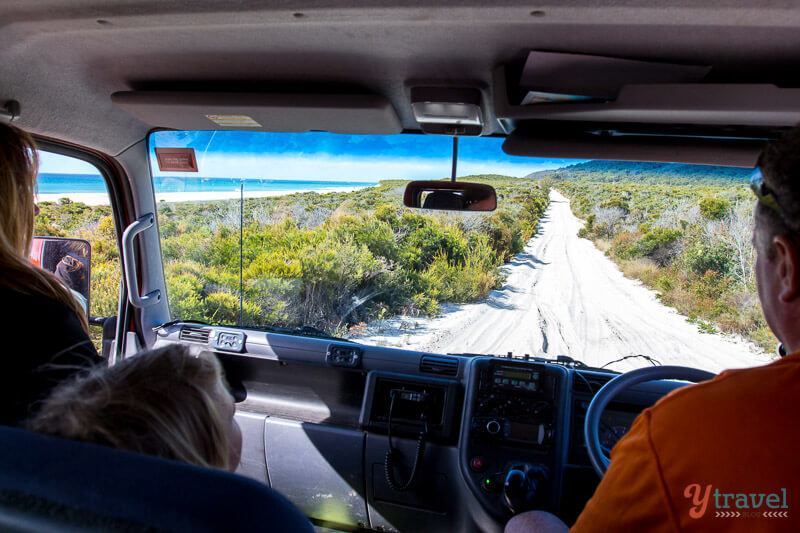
[(720, 455)]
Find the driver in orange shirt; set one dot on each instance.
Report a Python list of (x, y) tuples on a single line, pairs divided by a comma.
[(723, 455)]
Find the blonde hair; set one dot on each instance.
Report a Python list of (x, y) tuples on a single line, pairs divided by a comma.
[(160, 402), (18, 168)]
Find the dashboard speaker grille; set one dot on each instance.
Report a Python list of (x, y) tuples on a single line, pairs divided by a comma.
[(439, 365)]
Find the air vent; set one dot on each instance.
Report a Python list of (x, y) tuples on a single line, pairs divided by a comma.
[(582, 386), (194, 334), (439, 365)]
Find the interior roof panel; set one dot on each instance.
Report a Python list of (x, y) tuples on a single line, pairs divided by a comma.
[(63, 59)]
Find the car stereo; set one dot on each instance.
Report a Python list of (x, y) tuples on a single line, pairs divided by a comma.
[(514, 404), (514, 378)]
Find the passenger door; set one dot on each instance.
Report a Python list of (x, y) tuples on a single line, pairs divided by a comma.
[(74, 202)]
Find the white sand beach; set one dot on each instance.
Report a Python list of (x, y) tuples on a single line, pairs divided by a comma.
[(173, 197)]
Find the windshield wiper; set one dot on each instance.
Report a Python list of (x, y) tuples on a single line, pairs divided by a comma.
[(653, 361)]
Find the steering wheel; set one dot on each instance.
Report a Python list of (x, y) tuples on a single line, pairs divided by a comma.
[(591, 427)]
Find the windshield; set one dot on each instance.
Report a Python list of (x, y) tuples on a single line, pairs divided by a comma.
[(617, 264)]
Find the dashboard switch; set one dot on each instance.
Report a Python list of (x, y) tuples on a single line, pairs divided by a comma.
[(343, 356), (477, 463), (493, 427), (491, 484), (228, 341)]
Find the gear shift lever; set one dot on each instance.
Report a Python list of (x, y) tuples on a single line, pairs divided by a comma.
[(521, 485)]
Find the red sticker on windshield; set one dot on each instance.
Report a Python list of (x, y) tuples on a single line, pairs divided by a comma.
[(176, 159)]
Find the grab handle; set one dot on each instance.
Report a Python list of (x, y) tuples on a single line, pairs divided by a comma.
[(144, 223)]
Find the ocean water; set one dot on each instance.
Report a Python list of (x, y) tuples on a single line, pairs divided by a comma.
[(79, 183)]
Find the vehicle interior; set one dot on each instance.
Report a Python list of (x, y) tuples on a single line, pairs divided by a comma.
[(475, 438)]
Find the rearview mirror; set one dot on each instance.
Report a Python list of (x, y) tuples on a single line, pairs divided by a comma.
[(450, 195), (70, 260)]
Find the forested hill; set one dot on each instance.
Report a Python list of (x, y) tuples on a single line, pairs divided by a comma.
[(672, 173)]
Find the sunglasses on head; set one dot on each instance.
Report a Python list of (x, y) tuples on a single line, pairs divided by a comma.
[(763, 192), (766, 196)]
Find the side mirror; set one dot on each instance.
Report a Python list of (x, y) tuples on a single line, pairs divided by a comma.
[(450, 195), (70, 260)]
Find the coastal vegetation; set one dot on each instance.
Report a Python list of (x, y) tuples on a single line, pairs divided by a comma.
[(683, 230), (329, 261)]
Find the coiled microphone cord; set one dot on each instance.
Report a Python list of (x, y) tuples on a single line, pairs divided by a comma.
[(392, 452)]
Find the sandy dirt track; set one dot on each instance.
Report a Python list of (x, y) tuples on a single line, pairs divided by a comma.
[(562, 296)]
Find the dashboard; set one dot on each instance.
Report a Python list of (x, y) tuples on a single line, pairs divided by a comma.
[(396, 440)]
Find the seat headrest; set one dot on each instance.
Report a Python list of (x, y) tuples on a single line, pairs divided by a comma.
[(66, 484)]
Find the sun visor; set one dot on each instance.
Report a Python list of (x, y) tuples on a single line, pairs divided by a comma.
[(337, 113), (657, 149), (580, 77), (706, 104)]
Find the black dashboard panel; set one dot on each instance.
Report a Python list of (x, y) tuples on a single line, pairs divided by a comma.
[(514, 421), (421, 403)]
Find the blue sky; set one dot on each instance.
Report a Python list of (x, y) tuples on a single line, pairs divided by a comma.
[(59, 164), (327, 156)]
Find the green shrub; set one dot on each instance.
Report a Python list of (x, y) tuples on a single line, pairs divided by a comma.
[(587, 230), (460, 282), (659, 244), (104, 292), (714, 208), (373, 232), (619, 202), (424, 303), (703, 257), (223, 308), (505, 234), (425, 241), (387, 213), (623, 245), (186, 293)]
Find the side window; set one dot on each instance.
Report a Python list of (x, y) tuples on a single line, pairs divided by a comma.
[(75, 209)]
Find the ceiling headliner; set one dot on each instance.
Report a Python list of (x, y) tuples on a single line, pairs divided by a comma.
[(63, 59)]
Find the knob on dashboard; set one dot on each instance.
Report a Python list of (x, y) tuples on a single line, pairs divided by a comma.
[(493, 427)]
